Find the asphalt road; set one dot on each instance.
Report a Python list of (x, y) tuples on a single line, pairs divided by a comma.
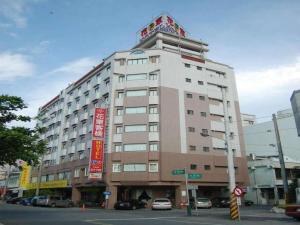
[(27, 215)]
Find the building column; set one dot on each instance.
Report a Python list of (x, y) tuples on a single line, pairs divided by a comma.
[(112, 199), (76, 195), (178, 195)]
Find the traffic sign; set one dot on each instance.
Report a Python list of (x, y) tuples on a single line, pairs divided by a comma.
[(107, 193), (193, 176), (178, 172), (238, 191)]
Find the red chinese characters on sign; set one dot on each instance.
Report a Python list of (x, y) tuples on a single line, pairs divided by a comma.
[(96, 159), (99, 123)]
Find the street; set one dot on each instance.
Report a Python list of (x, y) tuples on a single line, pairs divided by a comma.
[(21, 215)]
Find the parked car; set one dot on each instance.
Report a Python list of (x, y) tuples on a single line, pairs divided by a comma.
[(220, 202), (26, 201), (161, 203), (15, 200), (54, 201), (204, 203), (293, 211), (35, 199), (130, 204)]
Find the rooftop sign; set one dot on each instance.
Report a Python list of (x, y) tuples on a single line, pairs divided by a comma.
[(162, 23)]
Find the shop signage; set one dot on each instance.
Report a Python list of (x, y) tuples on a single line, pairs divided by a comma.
[(99, 123), (25, 176), (107, 193), (178, 172), (49, 184), (162, 23), (194, 176), (96, 159)]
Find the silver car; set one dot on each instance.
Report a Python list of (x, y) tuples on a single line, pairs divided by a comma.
[(204, 203), (55, 201), (161, 203)]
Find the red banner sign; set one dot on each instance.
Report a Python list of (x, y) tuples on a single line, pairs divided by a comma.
[(99, 123), (96, 159)]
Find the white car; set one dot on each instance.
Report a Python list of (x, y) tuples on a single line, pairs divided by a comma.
[(203, 203), (161, 203)]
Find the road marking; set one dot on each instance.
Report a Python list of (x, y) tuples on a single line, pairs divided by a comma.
[(191, 222), (142, 218)]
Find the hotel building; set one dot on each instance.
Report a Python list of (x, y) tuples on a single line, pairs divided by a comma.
[(165, 112)]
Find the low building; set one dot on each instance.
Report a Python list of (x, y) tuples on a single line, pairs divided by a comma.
[(266, 184), (248, 119), (295, 101)]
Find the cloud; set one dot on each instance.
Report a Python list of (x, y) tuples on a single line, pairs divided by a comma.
[(47, 86), (268, 89), (14, 11), (76, 67), (14, 65)]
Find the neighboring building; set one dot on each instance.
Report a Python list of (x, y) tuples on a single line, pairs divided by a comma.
[(295, 101), (248, 119), (260, 138), (165, 112), (266, 185)]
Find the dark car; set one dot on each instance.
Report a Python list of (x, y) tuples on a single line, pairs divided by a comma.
[(130, 204), (248, 202), (15, 200), (221, 202), (26, 201), (293, 211)]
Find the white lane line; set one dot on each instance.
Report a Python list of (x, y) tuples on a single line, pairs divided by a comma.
[(143, 218), (191, 222)]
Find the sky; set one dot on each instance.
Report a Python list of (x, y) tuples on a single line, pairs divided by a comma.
[(47, 44)]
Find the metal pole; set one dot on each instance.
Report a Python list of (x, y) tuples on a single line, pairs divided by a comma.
[(37, 190), (231, 172), (7, 174), (188, 210), (281, 158)]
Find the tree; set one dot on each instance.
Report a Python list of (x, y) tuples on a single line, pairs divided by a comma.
[(17, 142)]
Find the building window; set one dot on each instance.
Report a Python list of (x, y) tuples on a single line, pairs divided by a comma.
[(188, 80), (189, 95), (192, 148), (137, 61), (81, 155), (136, 110), (77, 172), (152, 92), (204, 132), (153, 76), (119, 112), (135, 147), (119, 129), (199, 68), (133, 93), (118, 148), (206, 149), (135, 128), (86, 172), (116, 168), (201, 97), (191, 129), (121, 78), (134, 167), (190, 112), (133, 77), (154, 59), (200, 82), (153, 128), (153, 167), (187, 65), (153, 147), (107, 81), (193, 166), (153, 109), (203, 114), (207, 167), (230, 119), (122, 61)]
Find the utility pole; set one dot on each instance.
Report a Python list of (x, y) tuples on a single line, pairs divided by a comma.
[(231, 171), (37, 190), (281, 158)]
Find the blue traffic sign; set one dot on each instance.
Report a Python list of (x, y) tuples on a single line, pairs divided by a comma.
[(106, 193)]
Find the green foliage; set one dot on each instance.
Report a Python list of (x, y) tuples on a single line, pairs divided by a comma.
[(17, 142)]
